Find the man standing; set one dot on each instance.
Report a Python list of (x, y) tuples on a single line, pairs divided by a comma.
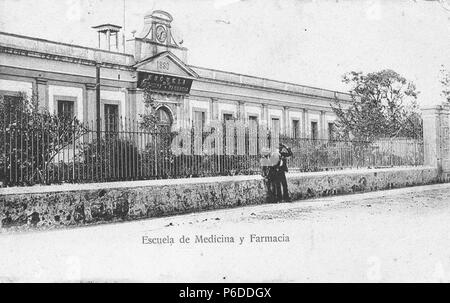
[(275, 169), (285, 152), (267, 174), (270, 171)]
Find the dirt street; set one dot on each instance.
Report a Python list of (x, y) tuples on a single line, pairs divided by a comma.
[(400, 235)]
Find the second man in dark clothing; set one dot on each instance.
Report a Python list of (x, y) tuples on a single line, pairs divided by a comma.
[(285, 152)]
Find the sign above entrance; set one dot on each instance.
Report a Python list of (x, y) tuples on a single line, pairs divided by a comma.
[(164, 83), (165, 72)]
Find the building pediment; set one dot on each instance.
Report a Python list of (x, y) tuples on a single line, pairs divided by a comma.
[(165, 73), (166, 63)]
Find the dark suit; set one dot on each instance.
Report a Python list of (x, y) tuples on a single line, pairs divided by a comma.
[(276, 183), (270, 170), (285, 153)]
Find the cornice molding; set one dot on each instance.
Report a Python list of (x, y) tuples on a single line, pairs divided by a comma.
[(269, 89), (54, 57), (41, 81), (74, 60), (90, 86)]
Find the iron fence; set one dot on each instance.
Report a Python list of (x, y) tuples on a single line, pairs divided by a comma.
[(318, 155), (54, 152)]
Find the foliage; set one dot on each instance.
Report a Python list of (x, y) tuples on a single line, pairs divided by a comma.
[(150, 121), (111, 158), (445, 81), (316, 155), (31, 139), (384, 104)]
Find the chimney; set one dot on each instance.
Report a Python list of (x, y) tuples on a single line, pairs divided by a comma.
[(106, 35)]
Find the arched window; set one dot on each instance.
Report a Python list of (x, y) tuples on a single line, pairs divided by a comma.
[(164, 117)]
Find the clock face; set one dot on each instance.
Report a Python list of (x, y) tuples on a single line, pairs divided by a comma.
[(161, 33)]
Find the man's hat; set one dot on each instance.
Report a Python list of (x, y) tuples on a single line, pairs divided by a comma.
[(265, 151), (274, 158)]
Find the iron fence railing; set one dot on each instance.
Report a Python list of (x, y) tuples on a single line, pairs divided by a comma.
[(317, 155), (53, 152)]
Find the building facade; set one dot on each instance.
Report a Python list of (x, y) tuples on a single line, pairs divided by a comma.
[(63, 78)]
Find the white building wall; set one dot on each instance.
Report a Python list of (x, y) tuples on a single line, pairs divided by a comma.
[(253, 110), (221, 107), (272, 113), (17, 86), (65, 68), (313, 117), (276, 112), (119, 95), (203, 105), (295, 115), (329, 118), (68, 91), (140, 105)]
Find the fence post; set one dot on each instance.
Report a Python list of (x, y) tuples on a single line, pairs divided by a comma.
[(436, 139), (155, 134)]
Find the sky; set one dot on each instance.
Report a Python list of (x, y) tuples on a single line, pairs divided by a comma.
[(302, 41)]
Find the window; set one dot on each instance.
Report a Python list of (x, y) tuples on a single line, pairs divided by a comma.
[(330, 131), (164, 116), (275, 132), (66, 109), (295, 129), (199, 125), (227, 117), (12, 101), (228, 129), (111, 118), (253, 135), (199, 120), (253, 123), (164, 119), (12, 104), (275, 127), (314, 131), (66, 112), (228, 133)]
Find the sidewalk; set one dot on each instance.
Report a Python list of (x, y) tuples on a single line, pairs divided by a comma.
[(400, 235)]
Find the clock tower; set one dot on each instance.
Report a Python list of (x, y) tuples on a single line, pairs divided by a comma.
[(156, 37)]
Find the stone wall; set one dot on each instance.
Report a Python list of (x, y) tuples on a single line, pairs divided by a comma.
[(48, 207)]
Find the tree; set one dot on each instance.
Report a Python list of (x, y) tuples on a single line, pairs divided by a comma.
[(445, 81), (158, 149), (30, 139), (149, 120), (384, 104)]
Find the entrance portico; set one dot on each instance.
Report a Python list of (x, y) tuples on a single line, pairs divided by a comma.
[(169, 80)]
